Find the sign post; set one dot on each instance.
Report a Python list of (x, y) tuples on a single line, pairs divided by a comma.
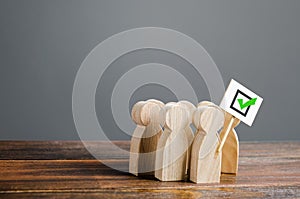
[(242, 104)]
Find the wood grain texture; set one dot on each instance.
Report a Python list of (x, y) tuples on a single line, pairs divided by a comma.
[(65, 169), (205, 164), (172, 149), (149, 117), (230, 151), (188, 132), (156, 115)]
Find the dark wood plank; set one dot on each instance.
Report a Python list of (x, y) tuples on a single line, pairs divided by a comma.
[(57, 150), (201, 192), (51, 169)]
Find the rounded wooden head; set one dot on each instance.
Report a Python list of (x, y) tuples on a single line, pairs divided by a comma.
[(177, 117), (136, 112), (205, 103), (189, 107), (197, 117), (160, 103), (207, 117), (144, 113), (169, 105), (210, 104)]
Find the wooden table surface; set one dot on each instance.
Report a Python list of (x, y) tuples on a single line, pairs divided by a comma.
[(65, 169)]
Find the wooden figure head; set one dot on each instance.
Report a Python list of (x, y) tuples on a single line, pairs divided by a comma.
[(160, 103), (148, 113), (176, 117), (136, 113), (208, 119), (189, 107), (205, 103), (169, 105)]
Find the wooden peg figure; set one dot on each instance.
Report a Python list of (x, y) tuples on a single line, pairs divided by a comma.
[(188, 130), (191, 109), (136, 137), (149, 117), (168, 106), (171, 154), (205, 162), (230, 151)]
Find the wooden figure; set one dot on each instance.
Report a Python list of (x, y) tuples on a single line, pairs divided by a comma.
[(191, 109), (149, 117), (136, 137), (171, 154), (230, 151), (168, 106), (240, 104), (205, 162), (188, 130)]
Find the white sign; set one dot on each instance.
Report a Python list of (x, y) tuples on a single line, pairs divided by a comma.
[(241, 102)]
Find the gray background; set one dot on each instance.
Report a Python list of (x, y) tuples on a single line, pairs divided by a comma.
[(43, 43)]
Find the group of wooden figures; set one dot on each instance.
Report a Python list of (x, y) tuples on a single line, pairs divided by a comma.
[(165, 146)]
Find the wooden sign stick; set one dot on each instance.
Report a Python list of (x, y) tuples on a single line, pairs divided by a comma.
[(228, 129)]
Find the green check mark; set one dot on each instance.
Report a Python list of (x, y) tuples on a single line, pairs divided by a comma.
[(248, 103)]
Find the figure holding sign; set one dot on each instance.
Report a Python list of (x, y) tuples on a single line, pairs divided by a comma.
[(242, 104), (164, 134), (230, 151)]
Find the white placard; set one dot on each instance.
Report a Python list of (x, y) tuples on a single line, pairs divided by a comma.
[(241, 102)]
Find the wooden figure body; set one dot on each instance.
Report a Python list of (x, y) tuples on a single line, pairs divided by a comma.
[(191, 109), (230, 151), (136, 138), (149, 117), (188, 130), (171, 154), (205, 162)]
